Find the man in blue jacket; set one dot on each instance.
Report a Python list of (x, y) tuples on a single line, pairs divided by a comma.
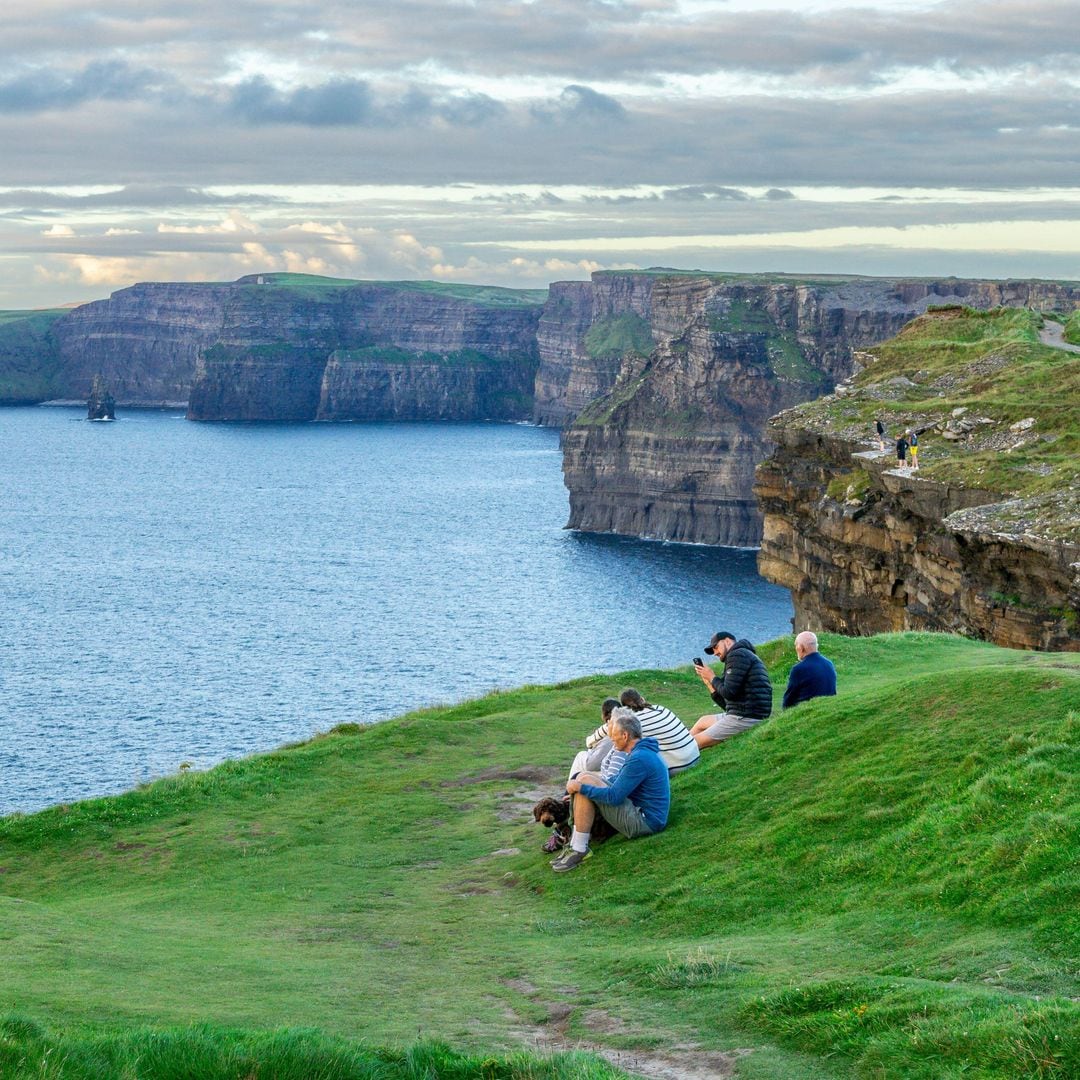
[(813, 676), (635, 803)]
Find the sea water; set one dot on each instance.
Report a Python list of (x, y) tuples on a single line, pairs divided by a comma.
[(177, 592)]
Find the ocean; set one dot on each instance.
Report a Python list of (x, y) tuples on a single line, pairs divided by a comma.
[(175, 592)]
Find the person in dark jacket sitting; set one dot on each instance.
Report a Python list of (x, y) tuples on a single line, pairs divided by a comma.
[(743, 691), (813, 676)]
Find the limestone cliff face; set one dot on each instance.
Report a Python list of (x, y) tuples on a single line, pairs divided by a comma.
[(983, 538), (573, 370), (258, 348), (372, 352), (144, 341), (898, 552), (462, 387), (668, 445)]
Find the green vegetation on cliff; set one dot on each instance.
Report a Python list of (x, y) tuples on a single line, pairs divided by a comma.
[(975, 373), (27, 354), (785, 356), (392, 354), (880, 884), (627, 334), (1072, 328), (314, 287)]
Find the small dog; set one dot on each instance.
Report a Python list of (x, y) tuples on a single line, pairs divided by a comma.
[(554, 814)]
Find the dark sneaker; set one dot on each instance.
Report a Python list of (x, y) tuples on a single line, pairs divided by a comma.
[(555, 842), (570, 860)]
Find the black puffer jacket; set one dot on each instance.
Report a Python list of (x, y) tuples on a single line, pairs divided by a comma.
[(744, 689)]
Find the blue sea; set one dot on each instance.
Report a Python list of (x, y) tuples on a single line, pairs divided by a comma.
[(179, 592)]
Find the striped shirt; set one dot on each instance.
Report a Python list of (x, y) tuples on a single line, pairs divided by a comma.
[(677, 746)]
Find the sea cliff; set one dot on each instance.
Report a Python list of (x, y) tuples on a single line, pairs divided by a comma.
[(259, 348), (687, 368), (984, 538)]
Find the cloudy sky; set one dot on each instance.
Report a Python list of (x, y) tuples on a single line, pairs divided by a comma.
[(523, 141)]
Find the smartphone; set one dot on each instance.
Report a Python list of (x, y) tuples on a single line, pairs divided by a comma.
[(698, 661)]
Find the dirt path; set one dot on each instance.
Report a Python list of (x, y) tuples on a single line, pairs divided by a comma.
[(681, 1061), (1053, 334)]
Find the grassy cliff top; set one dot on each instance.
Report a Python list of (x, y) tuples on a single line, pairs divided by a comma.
[(879, 884), (978, 373), (311, 286), (40, 315), (782, 277)]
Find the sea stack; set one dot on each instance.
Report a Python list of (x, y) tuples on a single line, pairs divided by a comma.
[(101, 405)]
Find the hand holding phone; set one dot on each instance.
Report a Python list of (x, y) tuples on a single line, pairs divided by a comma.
[(698, 662)]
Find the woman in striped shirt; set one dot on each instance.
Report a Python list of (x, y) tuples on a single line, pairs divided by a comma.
[(678, 749)]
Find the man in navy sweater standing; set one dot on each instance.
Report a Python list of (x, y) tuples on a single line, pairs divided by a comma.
[(813, 676), (635, 803)]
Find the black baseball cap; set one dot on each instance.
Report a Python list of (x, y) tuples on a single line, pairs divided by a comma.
[(717, 638)]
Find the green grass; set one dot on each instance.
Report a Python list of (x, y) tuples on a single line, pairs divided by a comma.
[(209, 1052), (882, 884), (28, 359), (40, 316), (314, 287), (392, 354), (785, 356), (1072, 328), (627, 334)]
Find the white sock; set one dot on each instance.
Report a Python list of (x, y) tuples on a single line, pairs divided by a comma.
[(579, 841)]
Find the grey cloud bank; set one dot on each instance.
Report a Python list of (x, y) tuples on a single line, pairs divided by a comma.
[(668, 122)]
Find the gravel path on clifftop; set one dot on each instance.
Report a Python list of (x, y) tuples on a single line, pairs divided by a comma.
[(1053, 334)]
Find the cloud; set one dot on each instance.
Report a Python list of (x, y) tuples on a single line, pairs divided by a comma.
[(128, 196), (103, 80), (347, 102), (579, 103)]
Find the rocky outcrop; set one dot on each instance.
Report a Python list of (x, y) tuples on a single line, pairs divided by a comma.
[(100, 405), (668, 450), (889, 551), (983, 539)]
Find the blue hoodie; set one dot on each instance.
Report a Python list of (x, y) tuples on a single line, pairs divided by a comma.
[(643, 780)]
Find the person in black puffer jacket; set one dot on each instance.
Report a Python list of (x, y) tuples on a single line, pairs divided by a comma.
[(743, 691)]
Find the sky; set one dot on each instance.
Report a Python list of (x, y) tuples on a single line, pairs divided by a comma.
[(518, 142)]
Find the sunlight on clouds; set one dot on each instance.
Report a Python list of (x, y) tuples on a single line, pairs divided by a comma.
[(1043, 236)]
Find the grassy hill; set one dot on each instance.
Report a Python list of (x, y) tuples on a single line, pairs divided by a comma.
[(883, 884)]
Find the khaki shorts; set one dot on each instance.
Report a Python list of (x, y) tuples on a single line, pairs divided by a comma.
[(724, 725), (625, 818)]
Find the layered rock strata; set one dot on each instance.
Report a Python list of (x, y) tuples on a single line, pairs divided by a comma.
[(259, 348), (983, 539), (669, 446), (900, 552)]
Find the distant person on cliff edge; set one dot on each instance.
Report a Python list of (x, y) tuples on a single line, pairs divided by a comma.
[(635, 804), (813, 676), (901, 452), (880, 427), (913, 448), (743, 690)]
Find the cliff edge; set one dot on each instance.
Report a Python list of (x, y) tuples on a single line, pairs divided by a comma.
[(984, 537), (666, 379)]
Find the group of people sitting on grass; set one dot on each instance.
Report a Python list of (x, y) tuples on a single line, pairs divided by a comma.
[(624, 773)]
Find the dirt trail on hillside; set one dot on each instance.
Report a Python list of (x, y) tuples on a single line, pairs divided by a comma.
[(1053, 334), (681, 1061)]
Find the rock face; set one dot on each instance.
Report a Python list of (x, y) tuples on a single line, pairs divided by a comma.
[(893, 552), (258, 349), (668, 447), (101, 405), (983, 538)]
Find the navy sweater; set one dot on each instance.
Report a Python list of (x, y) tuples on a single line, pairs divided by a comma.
[(813, 676)]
